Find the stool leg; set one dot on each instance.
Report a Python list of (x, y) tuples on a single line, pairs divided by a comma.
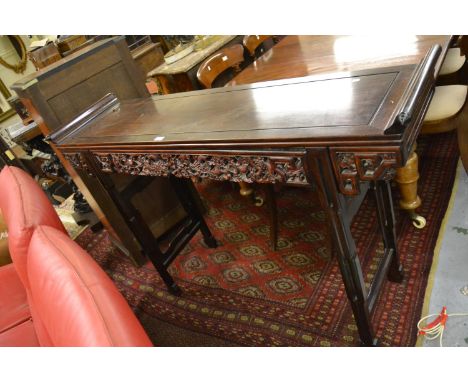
[(186, 192), (407, 180), (271, 201)]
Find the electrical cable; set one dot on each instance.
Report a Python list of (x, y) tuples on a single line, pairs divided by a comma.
[(435, 328)]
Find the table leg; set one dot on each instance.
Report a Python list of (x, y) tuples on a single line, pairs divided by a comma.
[(139, 228), (348, 260), (407, 180), (185, 191), (462, 135), (386, 216)]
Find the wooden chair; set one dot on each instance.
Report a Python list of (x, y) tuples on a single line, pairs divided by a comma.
[(255, 43), (453, 62), (451, 71), (228, 58)]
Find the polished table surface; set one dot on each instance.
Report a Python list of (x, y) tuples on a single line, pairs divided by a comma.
[(309, 110), (344, 131), (298, 56)]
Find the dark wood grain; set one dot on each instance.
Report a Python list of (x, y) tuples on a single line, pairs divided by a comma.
[(299, 56), (354, 107)]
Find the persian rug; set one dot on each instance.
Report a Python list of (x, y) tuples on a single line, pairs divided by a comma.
[(243, 293)]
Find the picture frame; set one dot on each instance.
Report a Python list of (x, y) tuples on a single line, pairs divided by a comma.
[(6, 111)]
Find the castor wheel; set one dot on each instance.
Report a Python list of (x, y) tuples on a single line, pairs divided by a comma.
[(210, 242), (258, 201), (418, 221)]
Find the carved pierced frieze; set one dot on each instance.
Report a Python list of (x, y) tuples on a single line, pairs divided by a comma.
[(352, 167), (77, 161), (247, 169)]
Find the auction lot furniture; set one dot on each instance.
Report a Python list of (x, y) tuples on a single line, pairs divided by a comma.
[(346, 132), (54, 95)]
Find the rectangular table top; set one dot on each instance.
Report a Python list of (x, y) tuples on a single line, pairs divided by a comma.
[(307, 109)]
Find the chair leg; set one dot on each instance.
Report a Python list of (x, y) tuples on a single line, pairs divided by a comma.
[(271, 202)]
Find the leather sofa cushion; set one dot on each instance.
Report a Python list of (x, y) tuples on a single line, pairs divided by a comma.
[(73, 301), (13, 301), (20, 336), (24, 206)]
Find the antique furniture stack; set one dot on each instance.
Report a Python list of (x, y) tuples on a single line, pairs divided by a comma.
[(55, 95), (180, 75)]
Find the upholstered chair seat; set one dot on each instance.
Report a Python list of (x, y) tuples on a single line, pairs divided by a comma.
[(446, 103), (453, 62)]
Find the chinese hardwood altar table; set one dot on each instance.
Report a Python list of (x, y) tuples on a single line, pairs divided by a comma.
[(346, 132)]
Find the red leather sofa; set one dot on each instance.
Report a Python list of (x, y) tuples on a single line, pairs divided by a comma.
[(54, 293)]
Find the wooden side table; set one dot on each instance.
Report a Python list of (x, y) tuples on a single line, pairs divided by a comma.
[(181, 76)]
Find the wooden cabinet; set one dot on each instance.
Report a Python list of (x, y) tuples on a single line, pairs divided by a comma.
[(59, 92), (148, 56)]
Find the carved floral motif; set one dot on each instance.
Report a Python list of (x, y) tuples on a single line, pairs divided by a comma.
[(77, 161), (233, 168)]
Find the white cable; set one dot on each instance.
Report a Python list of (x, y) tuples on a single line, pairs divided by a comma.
[(438, 329)]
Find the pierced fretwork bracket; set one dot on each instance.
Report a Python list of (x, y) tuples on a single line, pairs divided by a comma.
[(352, 167)]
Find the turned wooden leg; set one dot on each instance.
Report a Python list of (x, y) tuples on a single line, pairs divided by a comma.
[(407, 179), (245, 189)]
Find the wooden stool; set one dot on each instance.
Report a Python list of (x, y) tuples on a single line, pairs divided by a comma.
[(446, 112)]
